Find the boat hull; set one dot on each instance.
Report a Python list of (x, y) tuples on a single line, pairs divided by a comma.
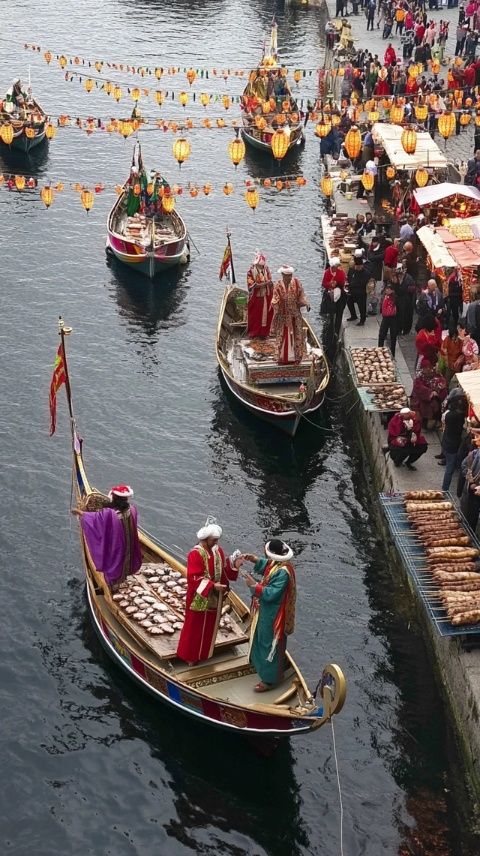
[(167, 690), (265, 146), (25, 144), (269, 409), (148, 264)]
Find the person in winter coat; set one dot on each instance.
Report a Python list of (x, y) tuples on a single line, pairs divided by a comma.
[(454, 302), (454, 421), (406, 443), (388, 324), (357, 279)]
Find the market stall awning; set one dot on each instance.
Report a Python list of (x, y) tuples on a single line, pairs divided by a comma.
[(470, 383), (435, 192), (427, 153), (436, 248)]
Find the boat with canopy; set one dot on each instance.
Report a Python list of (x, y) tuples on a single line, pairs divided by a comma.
[(268, 104), (144, 230), (219, 691), (22, 120)]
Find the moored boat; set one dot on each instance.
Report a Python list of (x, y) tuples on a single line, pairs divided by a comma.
[(23, 115), (143, 231), (268, 104), (219, 691)]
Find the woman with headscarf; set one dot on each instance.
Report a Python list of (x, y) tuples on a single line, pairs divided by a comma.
[(260, 290), (287, 324), (208, 577), (428, 393), (111, 536), (273, 612)]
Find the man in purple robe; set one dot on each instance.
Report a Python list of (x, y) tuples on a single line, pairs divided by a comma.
[(111, 536)]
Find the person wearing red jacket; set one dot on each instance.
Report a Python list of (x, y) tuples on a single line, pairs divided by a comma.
[(406, 442), (333, 284), (419, 33), (390, 57)]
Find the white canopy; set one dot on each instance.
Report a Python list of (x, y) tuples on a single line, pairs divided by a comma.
[(470, 383), (427, 153), (435, 192), (436, 248)]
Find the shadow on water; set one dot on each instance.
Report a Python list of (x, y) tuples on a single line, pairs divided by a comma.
[(34, 163)]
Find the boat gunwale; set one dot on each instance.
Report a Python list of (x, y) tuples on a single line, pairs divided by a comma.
[(145, 253)]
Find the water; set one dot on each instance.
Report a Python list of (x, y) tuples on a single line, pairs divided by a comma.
[(90, 765)]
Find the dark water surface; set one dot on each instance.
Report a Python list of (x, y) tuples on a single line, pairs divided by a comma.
[(90, 765)]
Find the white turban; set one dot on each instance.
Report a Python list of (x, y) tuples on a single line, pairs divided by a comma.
[(211, 529), (285, 269), (334, 262), (276, 557)]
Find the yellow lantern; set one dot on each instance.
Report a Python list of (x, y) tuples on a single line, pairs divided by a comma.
[(158, 73), (435, 66), (191, 75), (125, 128), (280, 144), (30, 133), (373, 116), (117, 93), (252, 197), (353, 143), (297, 75), (6, 133), (46, 195), (344, 174), (421, 112), (159, 97), (409, 141), (396, 114), (207, 188), (465, 119), (108, 87), (62, 61), (135, 93), (20, 182), (368, 180), (168, 202), (446, 124), (477, 120), (266, 107), (98, 65), (236, 150), (89, 84), (50, 131), (323, 128), (226, 101), (390, 172), (87, 199), (204, 99), (326, 184), (59, 186), (181, 150), (183, 98), (228, 188), (48, 57), (220, 123), (421, 177)]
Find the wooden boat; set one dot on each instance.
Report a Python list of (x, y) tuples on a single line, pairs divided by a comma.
[(258, 127), (150, 244), (278, 394), (220, 690), (28, 125)]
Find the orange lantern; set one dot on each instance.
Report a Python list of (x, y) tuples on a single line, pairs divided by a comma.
[(279, 184), (421, 177), (50, 131), (286, 106), (220, 123), (387, 103), (226, 101), (98, 65), (260, 123), (421, 112), (390, 172), (193, 191), (267, 182), (181, 150), (396, 114), (158, 73), (183, 98), (62, 61), (446, 124), (30, 133), (297, 75), (207, 188), (48, 57), (89, 84), (300, 181), (204, 99), (191, 75), (87, 199), (266, 107), (465, 119), (353, 143), (6, 133), (280, 144), (20, 182), (227, 188), (236, 150), (336, 119), (59, 186), (135, 93), (326, 184), (368, 180), (409, 141), (323, 128), (168, 202), (117, 93), (46, 195), (252, 197)]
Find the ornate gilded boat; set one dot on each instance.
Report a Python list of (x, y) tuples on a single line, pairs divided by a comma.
[(279, 394), (263, 114), (28, 130), (219, 691)]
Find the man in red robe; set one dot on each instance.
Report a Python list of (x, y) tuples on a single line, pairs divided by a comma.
[(260, 290), (208, 576), (287, 325)]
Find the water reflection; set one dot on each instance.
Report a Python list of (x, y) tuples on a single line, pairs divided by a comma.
[(32, 164)]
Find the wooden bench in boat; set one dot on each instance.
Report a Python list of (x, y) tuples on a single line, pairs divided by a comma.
[(268, 371)]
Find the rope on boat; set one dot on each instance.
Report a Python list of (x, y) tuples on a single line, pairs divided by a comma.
[(320, 427), (339, 786)]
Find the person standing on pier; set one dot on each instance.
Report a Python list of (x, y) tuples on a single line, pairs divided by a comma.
[(334, 295), (357, 278)]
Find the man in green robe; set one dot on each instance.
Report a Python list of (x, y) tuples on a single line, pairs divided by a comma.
[(273, 612)]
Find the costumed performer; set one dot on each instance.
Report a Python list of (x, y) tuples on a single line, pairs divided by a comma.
[(287, 324), (273, 612), (260, 290), (111, 536), (208, 576)]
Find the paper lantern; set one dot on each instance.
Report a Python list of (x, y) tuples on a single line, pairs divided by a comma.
[(396, 114), (87, 199), (135, 93), (446, 124), (204, 99), (326, 184), (279, 184), (193, 191), (207, 188), (6, 133), (336, 119), (465, 119), (89, 84), (373, 116), (280, 144), (62, 61), (125, 129), (46, 195), (353, 143), (421, 112), (252, 197), (228, 188), (409, 141), (20, 182), (226, 101), (236, 150), (50, 131), (390, 172), (48, 57), (267, 182), (181, 150), (117, 93), (183, 98), (159, 97), (300, 181), (158, 73), (260, 123), (297, 75), (220, 123), (168, 202), (59, 186), (387, 103), (266, 107), (98, 65), (323, 128), (368, 180), (421, 177), (191, 75), (30, 133)]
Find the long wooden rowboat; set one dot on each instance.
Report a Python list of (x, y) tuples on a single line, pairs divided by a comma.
[(220, 690), (163, 244), (280, 395), (28, 132)]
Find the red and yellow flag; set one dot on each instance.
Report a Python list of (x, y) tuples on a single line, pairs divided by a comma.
[(226, 266), (59, 377)]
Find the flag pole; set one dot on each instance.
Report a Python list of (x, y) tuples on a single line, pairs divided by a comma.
[(234, 281), (65, 331)]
